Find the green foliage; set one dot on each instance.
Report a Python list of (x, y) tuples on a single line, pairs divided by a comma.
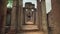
[(9, 4)]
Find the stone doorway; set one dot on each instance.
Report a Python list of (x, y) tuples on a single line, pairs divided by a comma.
[(28, 19)]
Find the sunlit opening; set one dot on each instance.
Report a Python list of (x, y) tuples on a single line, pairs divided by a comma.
[(9, 4)]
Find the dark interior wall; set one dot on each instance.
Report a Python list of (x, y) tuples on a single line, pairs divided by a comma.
[(1, 15), (2, 11)]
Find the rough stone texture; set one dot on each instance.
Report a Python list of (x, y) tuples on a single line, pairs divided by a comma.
[(55, 16), (50, 22), (41, 18), (13, 19), (44, 17)]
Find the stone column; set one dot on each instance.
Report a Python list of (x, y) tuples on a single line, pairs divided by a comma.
[(13, 18), (39, 14), (44, 17), (20, 14), (3, 10)]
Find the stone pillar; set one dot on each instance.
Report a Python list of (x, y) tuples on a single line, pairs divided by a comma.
[(13, 18), (20, 14), (44, 17), (39, 15), (3, 10)]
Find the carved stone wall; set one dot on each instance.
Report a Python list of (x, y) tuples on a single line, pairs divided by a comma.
[(17, 19), (55, 14)]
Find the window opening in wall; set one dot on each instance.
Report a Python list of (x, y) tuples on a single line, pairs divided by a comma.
[(48, 6), (9, 3), (32, 1)]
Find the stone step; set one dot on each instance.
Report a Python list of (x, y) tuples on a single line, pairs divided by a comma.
[(31, 32)]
